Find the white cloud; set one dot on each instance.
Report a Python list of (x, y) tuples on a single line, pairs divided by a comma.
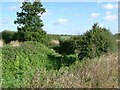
[(110, 6), (21, 4), (110, 17), (61, 21), (48, 12), (5, 20), (99, 1), (95, 15), (66, 8), (108, 13), (101, 25), (12, 8)]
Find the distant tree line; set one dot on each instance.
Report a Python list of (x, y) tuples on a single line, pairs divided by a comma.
[(117, 36)]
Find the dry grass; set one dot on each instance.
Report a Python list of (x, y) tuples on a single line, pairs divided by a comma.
[(15, 43), (1, 43), (56, 42), (96, 73), (12, 43)]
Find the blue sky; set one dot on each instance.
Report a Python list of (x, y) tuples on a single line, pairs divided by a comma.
[(66, 17)]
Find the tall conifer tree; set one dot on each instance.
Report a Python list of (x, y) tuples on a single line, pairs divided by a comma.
[(29, 22)]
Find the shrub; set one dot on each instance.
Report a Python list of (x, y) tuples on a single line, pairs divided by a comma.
[(96, 42), (8, 36), (67, 47), (20, 63)]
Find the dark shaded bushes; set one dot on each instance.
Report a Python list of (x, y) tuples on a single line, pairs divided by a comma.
[(8, 36), (67, 47)]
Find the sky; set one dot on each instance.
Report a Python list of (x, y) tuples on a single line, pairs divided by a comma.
[(66, 17)]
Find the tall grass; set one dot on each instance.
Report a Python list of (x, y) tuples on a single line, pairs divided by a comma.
[(96, 73)]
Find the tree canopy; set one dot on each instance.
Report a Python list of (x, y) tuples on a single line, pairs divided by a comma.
[(29, 22)]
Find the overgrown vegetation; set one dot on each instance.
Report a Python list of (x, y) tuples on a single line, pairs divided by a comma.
[(93, 43), (8, 36), (117, 36), (21, 62), (96, 42), (99, 72), (35, 65), (51, 61)]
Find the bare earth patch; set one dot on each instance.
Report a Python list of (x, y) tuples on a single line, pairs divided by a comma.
[(55, 42), (1, 43)]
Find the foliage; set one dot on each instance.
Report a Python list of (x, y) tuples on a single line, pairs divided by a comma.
[(30, 24), (54, 37), (96, 42), (67, 47), (30, 66), (56, 42), (117, 36), (0, 35), (8, 36), (100, 72), (34, 65), (21, 62)]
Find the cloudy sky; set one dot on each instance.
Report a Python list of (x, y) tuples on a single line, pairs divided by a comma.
[(66, 17)]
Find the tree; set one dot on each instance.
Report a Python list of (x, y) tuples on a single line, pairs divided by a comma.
[(96, 42), (30, 24)]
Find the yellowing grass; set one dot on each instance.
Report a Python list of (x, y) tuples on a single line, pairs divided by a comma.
[(100, 72)]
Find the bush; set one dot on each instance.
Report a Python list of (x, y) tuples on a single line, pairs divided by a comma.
[(20, 63), (9, 36), (67, 47), (96, 42)]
